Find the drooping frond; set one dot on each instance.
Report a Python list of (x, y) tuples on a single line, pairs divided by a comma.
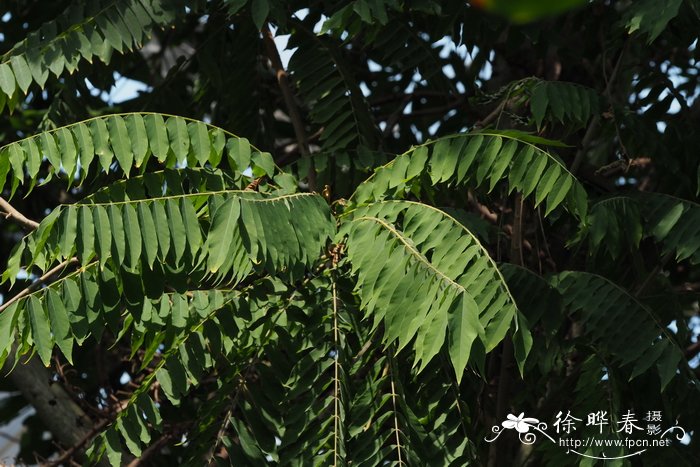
[(250, 333), (649, 17), (343, 170), (398, 46), (394, 416), (476, 159), (311, 393), (89, 302), (540, 304), (674, 222), (614, 225), (619, 325), (128, 141), (359, 14), (563, 102), (622, 221), (168, 182), (535, 297), (229, 231), (426, 277), (331, 91), (88, 29), (214, 332)]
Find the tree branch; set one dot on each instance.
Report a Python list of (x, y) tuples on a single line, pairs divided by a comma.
[(294, 114), (11, 213), (495, 113), (66, 421), (69, 453), (595, 123), (516, 257), (36, 285), (692, 350), (393, 119), (62, 416), (152, 449)]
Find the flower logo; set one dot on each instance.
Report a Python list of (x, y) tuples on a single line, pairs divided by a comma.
[(520, 423)]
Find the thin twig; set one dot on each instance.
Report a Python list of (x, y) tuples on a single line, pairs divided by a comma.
[(11, 213), (692, 350), (516, 245), (495, 114), (10, 438), (550, 261), (150, 450), (393, 119), (411, 95), (396, 419), (516, 257), (654, 272), (336, 381), (220, 434), (439, 110), (36, 285), (595, 123), (232, 406), (612, 108), (294, 114), (69, 453)]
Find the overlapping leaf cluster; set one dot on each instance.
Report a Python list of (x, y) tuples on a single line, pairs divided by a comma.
[(264, 325), (480, 159), (323, 79), (87, 30), (563, 102), (617, 322), (623, 221), (456, 296), (237, 232)]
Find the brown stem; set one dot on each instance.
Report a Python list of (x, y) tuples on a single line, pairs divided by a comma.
[(73, 450), (516, 244), (68, 423), (595, 122), (485, 212), (692, 350), (294, 114), (61, 415), (398, 97), (654, 272), (395, 116), (516, 256), (608, 94), (11, 213), (152, 449), (40, 282), (229, 412), (438, 110), (585, 143), (495, 113)]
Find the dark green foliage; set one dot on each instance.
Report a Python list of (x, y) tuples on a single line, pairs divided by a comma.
[(457, 296), (563, 102), (127, 142), (335, 100), (88, 30), (434, 216), (480, 159), (619, 325)]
